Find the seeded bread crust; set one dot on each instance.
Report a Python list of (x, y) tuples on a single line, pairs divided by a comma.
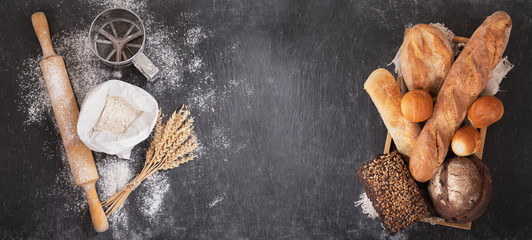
[(392, 191)]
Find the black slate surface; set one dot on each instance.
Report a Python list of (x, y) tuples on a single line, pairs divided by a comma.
[(293, 144)]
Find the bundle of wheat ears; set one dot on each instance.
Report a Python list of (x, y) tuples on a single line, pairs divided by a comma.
[(172, 145)]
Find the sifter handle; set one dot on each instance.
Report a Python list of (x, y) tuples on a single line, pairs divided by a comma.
[(40, 25), (146, 67)]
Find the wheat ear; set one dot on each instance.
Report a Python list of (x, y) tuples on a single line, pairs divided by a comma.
[(173, 144)]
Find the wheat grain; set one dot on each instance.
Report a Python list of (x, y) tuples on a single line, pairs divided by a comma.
[(156, 135), (185, 148), (179, 161), (172, 144)]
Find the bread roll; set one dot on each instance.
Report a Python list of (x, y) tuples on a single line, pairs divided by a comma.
[(386, 96), (466, 141), (426, 57), (416, 105), (466, 80), (461, 189), (485, 111)]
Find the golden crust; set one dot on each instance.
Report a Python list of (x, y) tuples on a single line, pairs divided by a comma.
[(466, 80), (385, 93), (426, 57)]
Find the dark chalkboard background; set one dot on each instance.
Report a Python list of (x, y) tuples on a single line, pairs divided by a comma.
[(288, 171)]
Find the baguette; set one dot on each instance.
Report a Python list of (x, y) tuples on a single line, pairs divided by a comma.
[(466, 80), (385, 93)]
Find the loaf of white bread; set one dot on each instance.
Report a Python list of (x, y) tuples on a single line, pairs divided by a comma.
[(426, 58), (465, 81), (383, 90)]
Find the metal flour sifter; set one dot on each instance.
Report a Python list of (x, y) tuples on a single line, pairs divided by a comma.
[(117, 37)]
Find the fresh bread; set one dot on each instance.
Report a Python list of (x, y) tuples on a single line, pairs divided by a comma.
[(485, 111), (385, 93), (416, 105), (466, 80), (461, 189), (466, 141), (426, 57), (393, 192)]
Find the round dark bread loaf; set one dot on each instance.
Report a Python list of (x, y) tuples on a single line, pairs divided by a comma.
[(461, 189)]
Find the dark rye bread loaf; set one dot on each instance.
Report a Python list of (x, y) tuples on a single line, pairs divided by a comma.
[(466, 80), (392, 191), (461, 189)]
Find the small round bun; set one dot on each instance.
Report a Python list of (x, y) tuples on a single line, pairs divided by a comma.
[(461, 189), (485, 111), (416, 105), (466, 141)]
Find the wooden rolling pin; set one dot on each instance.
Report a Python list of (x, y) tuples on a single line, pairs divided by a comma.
[(66, 113)]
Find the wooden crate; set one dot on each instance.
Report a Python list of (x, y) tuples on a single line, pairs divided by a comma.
[(388, 144)]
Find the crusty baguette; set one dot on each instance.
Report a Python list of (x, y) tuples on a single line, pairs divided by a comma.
[(385, 93), (426, 58), (466, 80)]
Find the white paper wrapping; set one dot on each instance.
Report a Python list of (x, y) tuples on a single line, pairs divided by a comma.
[(108, 142)]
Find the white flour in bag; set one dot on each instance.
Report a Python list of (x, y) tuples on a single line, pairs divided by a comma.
[(117, 115)]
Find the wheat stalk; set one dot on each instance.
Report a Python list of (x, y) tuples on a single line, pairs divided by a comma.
[(156, 135), (173, 144)]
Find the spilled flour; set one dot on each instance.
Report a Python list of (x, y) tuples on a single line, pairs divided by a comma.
[(194, 36), (152, 199), (177, 51), (114, 173), (85, 70), (215, 201)]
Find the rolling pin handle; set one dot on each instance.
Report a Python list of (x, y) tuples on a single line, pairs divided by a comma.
[(40, 25), (99, 220)]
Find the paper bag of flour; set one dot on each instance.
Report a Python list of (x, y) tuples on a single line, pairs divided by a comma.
[(101, 130)]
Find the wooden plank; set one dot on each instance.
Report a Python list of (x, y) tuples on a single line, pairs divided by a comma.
[(457, 39), (388, 143), (465, 226), (482, 138)]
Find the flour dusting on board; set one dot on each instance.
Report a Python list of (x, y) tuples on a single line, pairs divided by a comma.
[(152, 195), (215, 201), (194, 36), (175, 55), (35, 100), (66, 187), (114, 173)]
